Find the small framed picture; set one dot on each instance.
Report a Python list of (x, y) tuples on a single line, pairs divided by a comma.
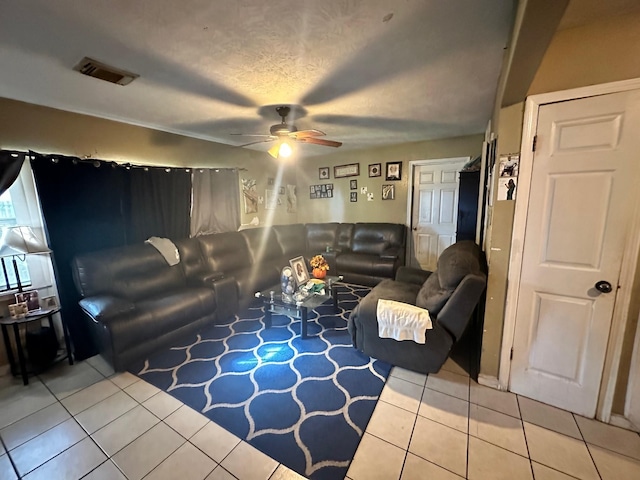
[(281, 191), (353, 184), (323, 173), (30, 298), (388, 192), (300, 271), (351, 170), (394, 171), (270, 181), (375, 170), (18, 310), (353, 196), (49, 303)]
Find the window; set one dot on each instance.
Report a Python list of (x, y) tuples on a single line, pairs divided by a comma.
[(19, 206)]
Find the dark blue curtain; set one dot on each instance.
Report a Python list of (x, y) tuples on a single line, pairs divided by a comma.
[(93, 205)]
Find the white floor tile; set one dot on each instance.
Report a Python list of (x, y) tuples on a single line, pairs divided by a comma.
[(392, 424), (542, 472), (284, 473), (124, 379), (186, 463), (613, 466), (162, 405), (449, 383), (488, 462), (215, 441), (548, 417), (6, 469), (186, 421), (71, 464), (503, 402), (416, 468), (89, 396), (101, 365), (497, 428), (610, 437), (452, 366), (141, 390), (402, 394), (125, 429), (248, 463), (21, 404), (560, 452), (64, 379), (409, 376), (147, 451), (445, 409), (376, 459), (42, 448), (221, 474), (440, 444), (106, 471), (96, 417), (33, 425)]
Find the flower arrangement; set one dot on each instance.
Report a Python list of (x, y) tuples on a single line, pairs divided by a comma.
[(319, 262)]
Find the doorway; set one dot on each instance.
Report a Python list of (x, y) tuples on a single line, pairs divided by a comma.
[(572, 264), (433, 209)]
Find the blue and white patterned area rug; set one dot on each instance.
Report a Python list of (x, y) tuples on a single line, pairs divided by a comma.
[(305, 403)]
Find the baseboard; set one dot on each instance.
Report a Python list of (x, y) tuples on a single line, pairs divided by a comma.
[(488, 381), (620, 421)]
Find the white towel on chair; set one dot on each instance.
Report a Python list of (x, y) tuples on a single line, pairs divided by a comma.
[(402, 321), (166, 248)]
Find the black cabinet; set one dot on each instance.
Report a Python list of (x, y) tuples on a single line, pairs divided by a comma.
[(469, 188)]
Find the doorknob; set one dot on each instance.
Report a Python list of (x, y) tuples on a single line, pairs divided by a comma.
[(603, 286), (415, 229)]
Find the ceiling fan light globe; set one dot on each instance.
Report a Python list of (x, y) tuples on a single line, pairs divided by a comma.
[(285, 150)]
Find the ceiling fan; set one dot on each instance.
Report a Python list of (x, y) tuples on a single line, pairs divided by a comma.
[(283, 133)]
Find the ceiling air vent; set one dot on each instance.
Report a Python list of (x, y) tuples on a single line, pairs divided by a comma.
[(95, 69)]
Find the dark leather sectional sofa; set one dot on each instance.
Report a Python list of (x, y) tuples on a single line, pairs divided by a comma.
[(136, 303)]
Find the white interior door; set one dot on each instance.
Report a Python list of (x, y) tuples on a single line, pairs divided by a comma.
[(434, 211), (583, 190), (632, 403)]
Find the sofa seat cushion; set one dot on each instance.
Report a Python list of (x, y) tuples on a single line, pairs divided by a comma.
[(161, 315), (366, 264)]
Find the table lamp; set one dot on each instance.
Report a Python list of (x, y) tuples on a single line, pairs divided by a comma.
[(18, 241)]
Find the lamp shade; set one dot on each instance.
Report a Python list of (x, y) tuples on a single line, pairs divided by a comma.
[(20, 240)]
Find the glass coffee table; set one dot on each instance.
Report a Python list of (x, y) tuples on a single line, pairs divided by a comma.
[(275, 302)]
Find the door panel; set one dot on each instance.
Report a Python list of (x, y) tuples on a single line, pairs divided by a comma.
[(435, 211), (580, 205)]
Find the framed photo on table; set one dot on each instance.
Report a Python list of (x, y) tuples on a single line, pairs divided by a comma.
[(30, 298), (300, 271)]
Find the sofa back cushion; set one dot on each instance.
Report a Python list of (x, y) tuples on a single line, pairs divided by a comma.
[(190, 256), (225, 252), (262, 243), (319, 235), (375, 238), (135, 272), (454, 263), (291, 239), (344, 237)]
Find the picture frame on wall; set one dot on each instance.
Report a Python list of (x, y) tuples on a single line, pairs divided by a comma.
[(394, 171), (375, 170), (351, 170), (388, 192), (353, 185), (323, 173), (353, 196)]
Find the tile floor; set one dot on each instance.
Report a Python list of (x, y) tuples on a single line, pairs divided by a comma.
[(85, 422)]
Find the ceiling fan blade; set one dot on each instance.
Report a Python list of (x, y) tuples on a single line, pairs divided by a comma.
[(252, 134), (259, 141), (307, 133), (320, 141), (273, 151)]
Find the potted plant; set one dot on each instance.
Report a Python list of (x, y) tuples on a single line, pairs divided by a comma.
[(319, 266)]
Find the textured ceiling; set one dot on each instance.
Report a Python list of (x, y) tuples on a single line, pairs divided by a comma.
[(366, 72)]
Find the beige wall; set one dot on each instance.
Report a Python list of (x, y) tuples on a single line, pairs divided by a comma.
[(340, 209), (602, 51)]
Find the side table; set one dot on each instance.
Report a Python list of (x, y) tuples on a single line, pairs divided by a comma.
[(15, 323)]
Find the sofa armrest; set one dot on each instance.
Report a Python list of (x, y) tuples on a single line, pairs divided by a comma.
[(205, 279), (104, 307), (457, 312), (413, 275)]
